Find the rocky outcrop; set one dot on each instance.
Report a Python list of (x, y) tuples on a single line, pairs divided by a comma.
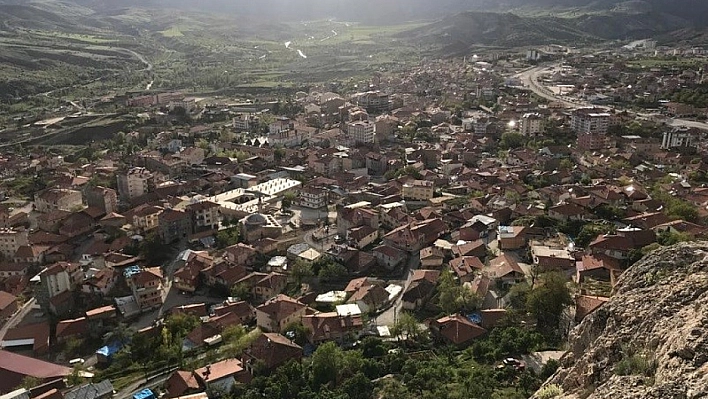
[(651, 339)]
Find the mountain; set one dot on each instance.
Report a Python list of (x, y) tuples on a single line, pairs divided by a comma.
[(650, 340)]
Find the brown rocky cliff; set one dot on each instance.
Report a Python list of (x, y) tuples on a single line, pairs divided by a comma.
[(651, 339)]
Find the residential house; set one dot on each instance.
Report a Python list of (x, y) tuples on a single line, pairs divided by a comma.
[(71, 329), (389, 257), (350, 217), (270, 351), (223, 376), (475, 248), (11, 240), (586, 304), (506, 269), (146, 217), (59, 279), (369, 297), (242, 309), (182, 383), (58, 199), (206, 215), (598, 267), (465, 268), (331, 326), (456, 330), (482, 287), (278, 312), (431, 257), (547, 258), (420, 289), (147, 287), (135, 182), (105, 199), (415, 236), (174, 225), (363, 236), (270, 285), (418, 190), (14, 368), (512, 237), (612, 245), (34, 337), (240, 254)]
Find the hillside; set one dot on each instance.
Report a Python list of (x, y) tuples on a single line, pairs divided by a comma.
[(650, 340)]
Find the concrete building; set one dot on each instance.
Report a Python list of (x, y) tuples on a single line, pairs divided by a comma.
[(678, 138), (418, 190), (361, 131), (257, 226), (531, 125), (11, 240), (313, 198), (205, 215), (58, 199), (134, 183), (105, 199), (373, 101)]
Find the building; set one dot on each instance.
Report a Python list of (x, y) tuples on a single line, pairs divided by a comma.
[(57, 279), (547, 258), (105, 199), (146, 285), (8, 305), (11, 240), (312, 197), (278, 312), (223, 376), (269, 351), (58, 199), (512, 237), (174, 225), (531, 125), (418, 190), (361, 131), (591, 127), (456, 330), (206, 215), (373, 101), (14, 368), (134, 183), (678, 138), (257, 226)]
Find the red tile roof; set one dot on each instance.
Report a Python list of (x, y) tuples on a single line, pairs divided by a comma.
[(14, 367), (458, 330)]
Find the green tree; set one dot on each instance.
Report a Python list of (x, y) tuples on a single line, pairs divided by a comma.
[(228, 237), (511, 141), (30, 382), (406, 325), (288, 200), (325, 365), (301, 270), (548, 300), (452, 297)]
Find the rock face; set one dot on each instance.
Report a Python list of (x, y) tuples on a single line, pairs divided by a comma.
[(651, 339)]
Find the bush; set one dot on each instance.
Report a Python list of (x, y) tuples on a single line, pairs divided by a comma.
[(549, 391), (636, 363)]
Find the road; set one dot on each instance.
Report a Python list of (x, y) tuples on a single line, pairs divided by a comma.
[(388, 316), (529, 78), (152, 383), (17, 317)]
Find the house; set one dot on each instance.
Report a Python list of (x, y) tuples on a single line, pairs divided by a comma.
[(146, 217), (101, 282), (11, 240), (465, 268), (431, 257), (456, 330), (612, 245), (586, 304), (421, 288), (599, 267), (68, 329), (569, 211), (475, 248), (389, 257), (481, 286), (278, 312), (506, 269), (57, 279), (363, 236), (58, 199), (369, 297), (14, 368), (270, 351), (77, 224), (33, 336), (415, 236), (240, 254), (8, 306), (547, 258), (100, 390), (270, 285), (223, 376), (242, 309), (355, 216), (174, 225), (182, 383), (206, 215), (512, 237), (418, 190), (147, 287), (331, 326)]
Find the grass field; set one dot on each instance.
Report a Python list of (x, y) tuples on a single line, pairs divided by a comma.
[(172, 32)]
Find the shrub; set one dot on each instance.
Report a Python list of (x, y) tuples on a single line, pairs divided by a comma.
[(635, 363), (550, 391)]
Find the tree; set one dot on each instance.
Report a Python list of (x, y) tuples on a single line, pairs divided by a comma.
[(301, 270), (30, 382), (452, 297), (325, 362), (406, 325), (511, 141), (153, 250), (548, 300), (288, 199), (241, 291), (228, 237)]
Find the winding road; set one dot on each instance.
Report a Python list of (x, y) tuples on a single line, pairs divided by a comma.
[(530, 80)]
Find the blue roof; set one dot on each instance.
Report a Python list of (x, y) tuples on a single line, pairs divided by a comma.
[(475, 318), (110, 349), (144, 394), (131, 270)]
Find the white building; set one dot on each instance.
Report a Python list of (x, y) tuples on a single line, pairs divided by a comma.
[(134, 183), (590, 121), (678, 138), (11, 240), (531, 125), (362, 131)]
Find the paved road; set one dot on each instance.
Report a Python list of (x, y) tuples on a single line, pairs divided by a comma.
[(530, 77), (388, 317), (17, 317)]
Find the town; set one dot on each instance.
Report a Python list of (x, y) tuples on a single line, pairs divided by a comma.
[(470, 210)]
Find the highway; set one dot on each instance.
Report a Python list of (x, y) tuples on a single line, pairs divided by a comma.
[(529, 79)]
